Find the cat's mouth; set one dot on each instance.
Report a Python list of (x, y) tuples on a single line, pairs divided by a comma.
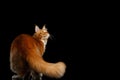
[(48, 35)]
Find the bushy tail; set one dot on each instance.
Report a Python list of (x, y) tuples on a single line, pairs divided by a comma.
[(55, 70)]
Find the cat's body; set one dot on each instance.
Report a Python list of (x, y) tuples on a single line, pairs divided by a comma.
[(26, 56)]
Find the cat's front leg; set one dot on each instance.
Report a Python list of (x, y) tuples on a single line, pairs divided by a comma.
[(27, 76), (36, 76), (41, 75)]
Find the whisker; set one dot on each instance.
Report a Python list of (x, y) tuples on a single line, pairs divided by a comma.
[(52, 37)]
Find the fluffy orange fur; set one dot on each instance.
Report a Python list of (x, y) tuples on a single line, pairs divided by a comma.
[(26, 55)]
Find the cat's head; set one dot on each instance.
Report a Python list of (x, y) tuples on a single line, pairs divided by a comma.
[(41, 34)]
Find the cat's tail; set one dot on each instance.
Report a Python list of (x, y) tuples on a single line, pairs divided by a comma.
[(55, 70)]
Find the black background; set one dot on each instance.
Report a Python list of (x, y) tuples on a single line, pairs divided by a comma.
[(61, 25), (77, 35)]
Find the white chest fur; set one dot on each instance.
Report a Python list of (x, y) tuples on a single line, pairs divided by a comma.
[(44, 42)]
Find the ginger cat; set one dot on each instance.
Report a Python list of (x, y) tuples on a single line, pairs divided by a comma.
[(26, 57)]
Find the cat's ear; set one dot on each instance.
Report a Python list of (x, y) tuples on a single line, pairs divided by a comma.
[(36, 28), (44, 28)]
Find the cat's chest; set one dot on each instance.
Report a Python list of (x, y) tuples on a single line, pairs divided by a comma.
[(44, 43)]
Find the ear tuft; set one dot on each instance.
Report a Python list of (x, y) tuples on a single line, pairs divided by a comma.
[(44, 27)]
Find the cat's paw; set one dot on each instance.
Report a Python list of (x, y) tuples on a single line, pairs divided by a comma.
[(16, 77)]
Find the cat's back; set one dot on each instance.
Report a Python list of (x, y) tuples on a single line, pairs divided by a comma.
[(23, 41), (23, 38)]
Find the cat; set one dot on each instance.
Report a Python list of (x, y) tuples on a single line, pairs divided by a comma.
[(26, 59)]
